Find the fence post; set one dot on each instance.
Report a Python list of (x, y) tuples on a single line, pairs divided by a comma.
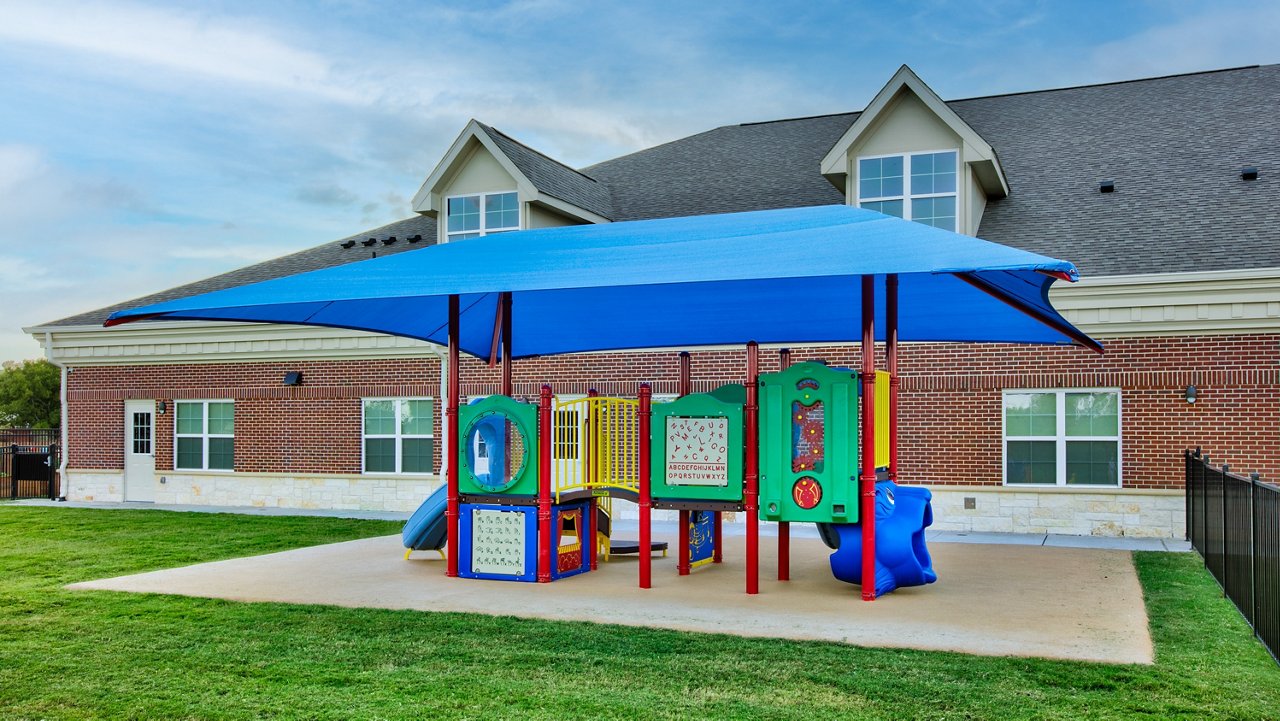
[(13, 471), (1253, 548), (53, 470), (1186, 494), (1204, 510), (1226, 564)]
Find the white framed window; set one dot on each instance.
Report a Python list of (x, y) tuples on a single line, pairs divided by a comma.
[(204, 435), (914, 186), (398, 435), (1062, 437), (471, 216)]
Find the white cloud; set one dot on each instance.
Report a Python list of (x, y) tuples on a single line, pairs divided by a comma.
[(1217, 36), (220, 48)]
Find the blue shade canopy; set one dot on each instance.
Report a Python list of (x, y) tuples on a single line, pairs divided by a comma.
[(785, 276)]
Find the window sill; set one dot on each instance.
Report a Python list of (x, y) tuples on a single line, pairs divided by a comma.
[(1032, 488)]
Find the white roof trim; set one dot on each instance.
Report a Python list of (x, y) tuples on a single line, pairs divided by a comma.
[(428, 199), (977, 151)]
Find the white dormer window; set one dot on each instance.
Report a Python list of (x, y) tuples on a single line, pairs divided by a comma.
[(915, 186), (471, 216)]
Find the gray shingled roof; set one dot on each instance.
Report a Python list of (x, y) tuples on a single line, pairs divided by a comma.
[(737, 167), (321, 256), (1174, 147), (554, 178)]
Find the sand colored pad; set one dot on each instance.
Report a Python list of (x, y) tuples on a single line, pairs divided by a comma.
[(1065, 603)]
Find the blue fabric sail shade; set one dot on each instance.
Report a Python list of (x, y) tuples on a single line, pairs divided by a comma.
[(785, 276)]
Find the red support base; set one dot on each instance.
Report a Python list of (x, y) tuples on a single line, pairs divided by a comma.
[(683, 565), (717, 554), (867, 517), (751, 474), (784, 551), (646, 536), (594, 509), (451, 419), (544, 487)]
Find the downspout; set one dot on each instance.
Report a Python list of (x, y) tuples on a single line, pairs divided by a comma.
[(62, 419), (438, 352)]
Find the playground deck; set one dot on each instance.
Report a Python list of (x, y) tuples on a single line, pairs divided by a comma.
[(1011, 600)]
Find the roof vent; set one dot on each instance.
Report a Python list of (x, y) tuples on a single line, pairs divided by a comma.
[(1249, 173), (348, 244), (1107, 186), (389, 240), (414, 238), (369, 242)]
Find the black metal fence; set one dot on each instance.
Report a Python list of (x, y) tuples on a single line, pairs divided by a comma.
[(29, 437), (29, 463), (1234, 523)]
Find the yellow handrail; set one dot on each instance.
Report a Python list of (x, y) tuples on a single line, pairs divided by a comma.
[(594, 443)]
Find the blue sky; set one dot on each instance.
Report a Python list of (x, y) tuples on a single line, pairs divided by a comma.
[(144, 145)]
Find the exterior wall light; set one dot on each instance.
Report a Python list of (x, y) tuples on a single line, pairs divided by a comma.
[(162, 408), (1190, 394)]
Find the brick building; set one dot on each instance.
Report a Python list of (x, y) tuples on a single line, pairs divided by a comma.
[(1162, 191)]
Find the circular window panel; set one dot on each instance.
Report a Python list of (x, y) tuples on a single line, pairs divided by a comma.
[(495, 452), (806, 493)]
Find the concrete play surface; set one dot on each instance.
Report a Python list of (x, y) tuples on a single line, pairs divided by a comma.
[(1004, 600)]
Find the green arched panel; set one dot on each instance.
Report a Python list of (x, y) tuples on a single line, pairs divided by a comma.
[(506, 460), (809, 445)]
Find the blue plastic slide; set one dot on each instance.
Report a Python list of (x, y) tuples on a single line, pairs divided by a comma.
[(426, 528), (902, 514)]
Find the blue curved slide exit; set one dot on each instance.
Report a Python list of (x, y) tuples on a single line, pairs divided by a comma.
[(902, 514), (426, 529)]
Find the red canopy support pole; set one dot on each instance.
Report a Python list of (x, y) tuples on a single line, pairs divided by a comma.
[(751, 470), (643, 414), (589, 440), (891, 357), (505, 301), (784, 527), (451, 451), (685, 386), (868, 377), (544, 486)]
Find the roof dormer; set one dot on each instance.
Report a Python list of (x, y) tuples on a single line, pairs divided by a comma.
[(914, 135), (485, 171)]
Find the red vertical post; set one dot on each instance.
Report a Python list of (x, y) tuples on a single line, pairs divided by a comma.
[(507, 385), (891, 357), (685, 386), (590, 450), (717, 553), (868, 377), (451, 451), (643, 414), (751, 470), (544, 486), (784, 527), (682, 566)]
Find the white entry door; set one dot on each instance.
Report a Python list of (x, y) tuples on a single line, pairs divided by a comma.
[(139, 451)]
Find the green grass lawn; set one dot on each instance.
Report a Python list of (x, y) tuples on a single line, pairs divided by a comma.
[(111, 655)]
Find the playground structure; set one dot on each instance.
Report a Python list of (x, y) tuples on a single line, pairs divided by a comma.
[(536, 482), (794, 277)]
